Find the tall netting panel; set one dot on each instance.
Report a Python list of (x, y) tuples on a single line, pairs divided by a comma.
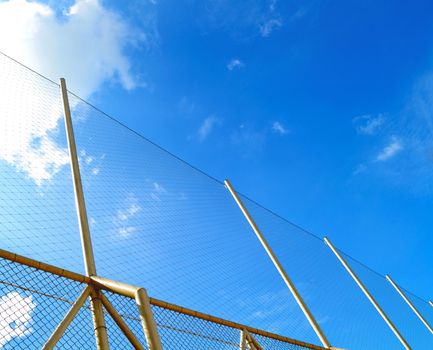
[(421, 305), (405, 320), (37, 210), (342, 311), (159, 223)]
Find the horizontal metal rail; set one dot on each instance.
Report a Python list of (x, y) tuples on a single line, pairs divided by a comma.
[(223, 322), (130, 292)]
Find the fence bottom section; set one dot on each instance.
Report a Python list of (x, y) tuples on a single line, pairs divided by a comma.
[(35, 299)]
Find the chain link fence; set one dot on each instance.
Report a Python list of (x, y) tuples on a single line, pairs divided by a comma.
[(34, 301)]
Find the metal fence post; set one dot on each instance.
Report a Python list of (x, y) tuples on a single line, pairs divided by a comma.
[(243, 341), (314, 324), (406, 299), (89, 260), (367, 294), (147, 320)]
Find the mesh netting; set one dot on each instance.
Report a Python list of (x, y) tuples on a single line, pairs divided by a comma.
[(37, 210), (158, 222), (33, 302)]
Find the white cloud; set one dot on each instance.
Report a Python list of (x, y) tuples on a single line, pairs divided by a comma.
[(86, 46), (235, 63), (157, 191), (390, 150), (249, 140), (186, 106), (361, 168), (367, 124), (124, 215), (279, 128), (15, 316), (126, 231), (245, 19), (272, 5), (269, 26), (206, 127)]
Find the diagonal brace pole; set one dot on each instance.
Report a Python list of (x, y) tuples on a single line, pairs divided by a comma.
[(121, 323), (251, 340), (61, 328)]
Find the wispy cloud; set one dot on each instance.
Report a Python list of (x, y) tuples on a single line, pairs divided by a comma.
[(185, 106), (206, 128), (368, 124), (279, 128), (16, 316), (269, 26), (235, 63), (389, 151), (248, 139), (124, 215), (245, 19), (32, 33), (157, 191), (89, 161), (361, 168)]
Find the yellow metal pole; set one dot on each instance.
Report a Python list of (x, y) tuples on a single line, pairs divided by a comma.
[(115, 286), (367, 294), (89, 260), (121, 323), (147, 320), (61, 328), (314, 324), (243, 340), (406, 299), (252, 342)]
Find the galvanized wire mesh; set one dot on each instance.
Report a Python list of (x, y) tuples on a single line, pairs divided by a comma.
[(127, 309), (37, 210), (415, 333), (32, 304), (166, 226), (160, 223), (179, 331)]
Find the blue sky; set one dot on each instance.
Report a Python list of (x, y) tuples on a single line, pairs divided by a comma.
[(349, 84), (319, 110)]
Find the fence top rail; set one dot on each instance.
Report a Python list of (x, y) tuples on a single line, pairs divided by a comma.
[(43, 266), (231, 324), (20, 259)]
